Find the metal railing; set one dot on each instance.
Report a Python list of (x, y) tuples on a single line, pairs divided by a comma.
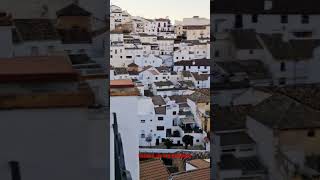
[(120, 171)]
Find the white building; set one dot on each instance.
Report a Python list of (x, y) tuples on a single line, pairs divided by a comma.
[(124, 99), (197, 65), (149, 60), (42, 121)]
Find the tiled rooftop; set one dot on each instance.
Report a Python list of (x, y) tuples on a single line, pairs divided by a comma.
[(153, 170), (203, 174)]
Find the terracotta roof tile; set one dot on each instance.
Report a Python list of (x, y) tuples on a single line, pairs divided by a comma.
[(199, 163), (36, 68), (153, 170), (203, 174)]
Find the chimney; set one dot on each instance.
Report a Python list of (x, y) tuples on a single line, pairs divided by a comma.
[(267, 4)]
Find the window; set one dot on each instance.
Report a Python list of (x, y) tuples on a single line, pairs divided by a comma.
[(50, 49), (282, 81), (163, 77), (15, 170), (216, 53), (34, 51), (311, 133), (128, 57), (82, 51), (143, 121), (197, 140), (246, 149), (111, 56), (143, 135), (174, 112), (120, 57), (156, 78), (160, 118), (305, 19), (283, 66), (250, 51), (254, 18), (205, 67), (284, 19), (229, 150), (160, 128), (198, 67), (115, 51)]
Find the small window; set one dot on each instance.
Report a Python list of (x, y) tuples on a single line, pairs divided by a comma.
[(111, 56), (254, 18), (198, 67), (197, 140), (250, 51), (34, 51), (115, 51), (82, 51), (50, 49), (160, 118), (283, 66), (311, 133), (120, 57), (174, 112), (143, 135), (282, 81), (216, 54), (143, 121), (284, 19), (160, 128), (156, 78), (305, 19)]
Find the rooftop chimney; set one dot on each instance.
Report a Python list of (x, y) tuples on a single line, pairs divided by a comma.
[(267, 4)]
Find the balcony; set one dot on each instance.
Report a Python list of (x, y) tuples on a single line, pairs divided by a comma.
[(190, 129)]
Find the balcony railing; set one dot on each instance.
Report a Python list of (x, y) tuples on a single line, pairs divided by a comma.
[(120, 167)]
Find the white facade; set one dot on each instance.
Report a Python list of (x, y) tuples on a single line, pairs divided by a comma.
[(150, 60), (126, 108)]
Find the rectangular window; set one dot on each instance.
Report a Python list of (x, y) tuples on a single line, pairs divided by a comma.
[(282, 81), (216, 53), (160, 118), (305, 19), (143, 135), (284, 19), (143, 121), (174, 112), (34, 51), (282, 67), (254, 18), (160, 128)]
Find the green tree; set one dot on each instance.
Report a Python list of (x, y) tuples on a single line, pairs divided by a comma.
[(168, 143), (188, 140)]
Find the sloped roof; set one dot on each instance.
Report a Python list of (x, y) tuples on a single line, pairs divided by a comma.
[(288, 114), (197, 174), (73, 10), (199, 163), (153, 170)]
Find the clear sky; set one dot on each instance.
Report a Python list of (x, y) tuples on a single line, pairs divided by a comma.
[(175, 9)]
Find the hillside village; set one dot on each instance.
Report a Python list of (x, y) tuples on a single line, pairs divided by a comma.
[(160, 80)]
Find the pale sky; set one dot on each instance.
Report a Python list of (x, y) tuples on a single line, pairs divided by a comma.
[(175, 9)]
